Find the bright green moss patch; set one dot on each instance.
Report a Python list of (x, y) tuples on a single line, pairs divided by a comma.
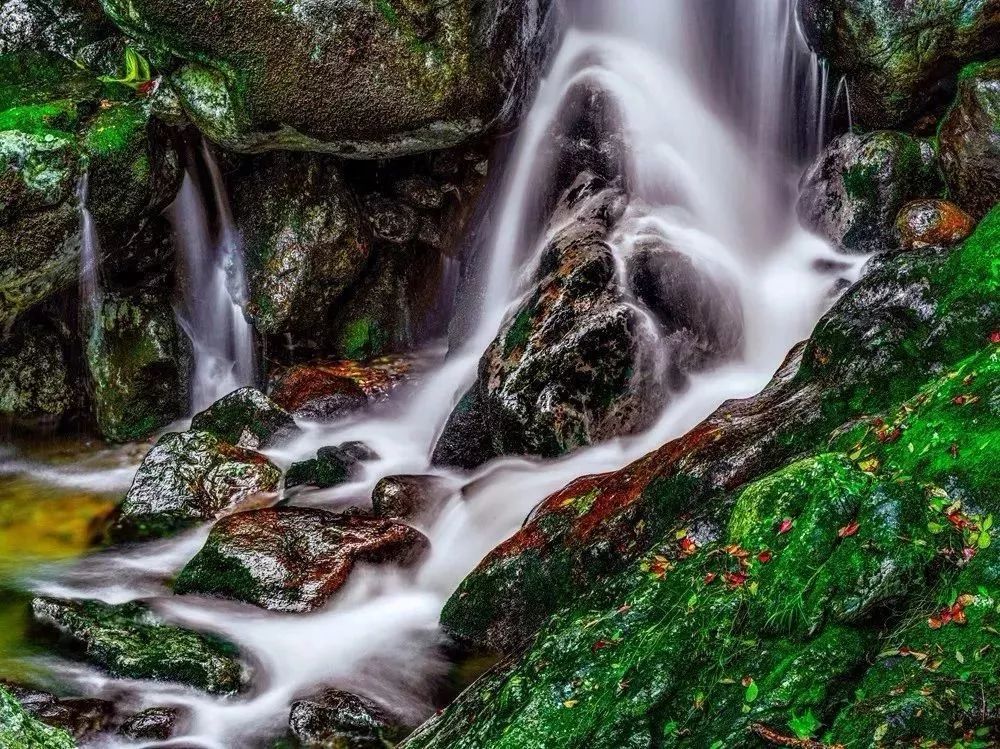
[(115, 129), (18, 730)]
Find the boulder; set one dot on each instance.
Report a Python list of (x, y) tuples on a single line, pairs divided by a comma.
[(246, 418), (19, 730), (330, 467), (154, 723), (186, 478), (34, 376), (933, 223), (855, 189), (405, 497), (326, 391), (130, 641), (969, 140), (134, 357), (304, 242), (79, 716), (408, 77), (899, 58), (293, 558), (335, 718)]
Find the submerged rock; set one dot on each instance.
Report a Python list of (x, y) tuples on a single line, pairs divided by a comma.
[(188, 477), (156, 723), (34, 376), (19, 730), (335, 718), (856, 188), (933, 223), (130, 641), (246, 418), (405, 497), (407, 77), (969, 140), (293, 558)]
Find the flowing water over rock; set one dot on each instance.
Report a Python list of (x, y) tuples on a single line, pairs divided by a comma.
[(704, 179)]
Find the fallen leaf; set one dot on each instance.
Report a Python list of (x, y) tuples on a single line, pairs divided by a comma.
[(764, 557), (849, 530), (735, 579), (786, 525), (709, 577)]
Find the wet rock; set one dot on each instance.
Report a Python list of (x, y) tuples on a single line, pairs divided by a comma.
[(246, 418), (854, 191), (899, 59), (358, 450), (154, 723), (335, 718), (304, 241), (130, 641), (325, 391), (969, 140), (408, 77), (330, 467), (78, 716), (933, 223), (420, 191), (34, 376), (293, 558), (134, 357), (19, 730), (405, 497), (188, 477), (390, 221)]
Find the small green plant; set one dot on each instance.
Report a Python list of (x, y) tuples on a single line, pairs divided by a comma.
[(137, 70), (804, 726)]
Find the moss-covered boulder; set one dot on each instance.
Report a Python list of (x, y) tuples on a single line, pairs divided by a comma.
[(407, 76), (293, 558), (130, 641), (19, 730), (190, 477), (304, 242), (933, 223), (135, 361), (855, 189), (900, 58), (969, 139), (81, 717), (335, 718), (332, 465), (246, 418), (35, 385)]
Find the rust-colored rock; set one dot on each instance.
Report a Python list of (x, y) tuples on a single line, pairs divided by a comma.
[(933, 223)]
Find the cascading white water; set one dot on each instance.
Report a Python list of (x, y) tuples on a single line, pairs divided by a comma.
[(697, 182), (90, 257), (213, 285)]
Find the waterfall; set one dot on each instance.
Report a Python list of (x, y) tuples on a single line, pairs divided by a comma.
[(90, 257), (213, 288), (707, 173)]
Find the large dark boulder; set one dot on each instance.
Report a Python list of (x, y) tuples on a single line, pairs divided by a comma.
[(969, 140), (130, 641), (405, 76), (186, 478), (332, 465), (853, 192), (900, 58), (406, 497), (335, 718), (35, 385), (293, 558)]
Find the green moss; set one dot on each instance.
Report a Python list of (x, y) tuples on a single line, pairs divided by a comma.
[(18, 730), (213, 571), (361, 339)]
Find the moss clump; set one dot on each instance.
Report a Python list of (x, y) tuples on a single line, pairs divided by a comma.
[(362, 339), (18, 730)]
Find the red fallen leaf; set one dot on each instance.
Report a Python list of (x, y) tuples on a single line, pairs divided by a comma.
[(688, 547), (934, 623), (735, 550), (746, 681), (957, 520), (600, 645), (888, 435), (968, 552), (904, 650), (735, 579), (764, 557), (146, 87), (786, 525), (995, 336), (965, 400), (709, 578), (849, 530)]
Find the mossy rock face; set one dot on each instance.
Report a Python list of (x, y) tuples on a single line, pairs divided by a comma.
[(133, 356), (408, 76), (900, 59), (304, 242), (18, 730), (855, 190), (246, 418), (81, 717), (130, 641), (189, 477), (970, 140), (293, 558), (75, 29), (34, 375)]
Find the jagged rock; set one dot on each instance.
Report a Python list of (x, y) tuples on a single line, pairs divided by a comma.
[(156, 723), (78, 716), (325, 391), (330, 467), (391, 221), (304, 242), (135, 364), (969, 140), (406, 497), (933, 223), (408, 77), (293, 558), (854, 191), (34, 376), (130, 641), (335, 718), (246, 418), (899, 59), (188, 477), (19, 730), (75, 29)]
